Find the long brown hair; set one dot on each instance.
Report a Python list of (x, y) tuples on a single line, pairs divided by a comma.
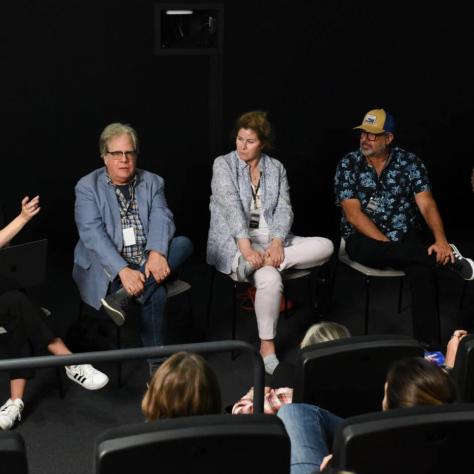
[(184, 385), (414, 381)]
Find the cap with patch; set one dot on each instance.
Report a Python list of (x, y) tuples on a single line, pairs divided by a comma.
[(377, 121)]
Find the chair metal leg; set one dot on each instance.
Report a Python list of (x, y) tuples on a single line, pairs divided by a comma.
[(438, 311), (190, 305), (59, 380), (285, 297), (463, 294), (310, 293), (400, 295), (367, 300), (119, 363), (332, 267), (233, 355), (209, 297), (234, 309)]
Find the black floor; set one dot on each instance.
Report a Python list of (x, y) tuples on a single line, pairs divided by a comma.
[(59, 433)]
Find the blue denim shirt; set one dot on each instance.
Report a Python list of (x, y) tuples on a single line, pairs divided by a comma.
[(393, 208)]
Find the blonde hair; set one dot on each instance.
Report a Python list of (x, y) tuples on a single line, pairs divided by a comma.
[(324, 331), (257, 121), (114, 130), (184, 385)]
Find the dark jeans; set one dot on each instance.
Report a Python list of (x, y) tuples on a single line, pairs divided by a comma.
[(26, 328), (409, 255), (153, 299)]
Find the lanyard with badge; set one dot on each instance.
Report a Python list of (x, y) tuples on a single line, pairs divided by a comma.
[(128, 232), (376, 197), (255, 216)]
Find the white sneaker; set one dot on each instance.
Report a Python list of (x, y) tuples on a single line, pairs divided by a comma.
[(87, 376), (10, 413)]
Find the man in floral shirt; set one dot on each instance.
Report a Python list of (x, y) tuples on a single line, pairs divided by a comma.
[(382, 191)]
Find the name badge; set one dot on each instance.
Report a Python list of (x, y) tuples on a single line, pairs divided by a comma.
[(129, 236)]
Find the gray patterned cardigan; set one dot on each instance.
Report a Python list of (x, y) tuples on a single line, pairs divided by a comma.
[(230, 206)]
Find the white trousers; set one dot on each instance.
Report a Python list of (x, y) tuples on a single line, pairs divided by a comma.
[(301, 253)]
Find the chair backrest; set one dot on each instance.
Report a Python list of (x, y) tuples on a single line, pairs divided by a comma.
[(347, 376), (420, 440), (463, 371), (210, 444), (12, 454)]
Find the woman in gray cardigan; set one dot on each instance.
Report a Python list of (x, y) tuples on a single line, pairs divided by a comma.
[(251, 218)]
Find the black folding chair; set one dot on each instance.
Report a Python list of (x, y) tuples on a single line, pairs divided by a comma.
[(420, 440), (463, 371), (346, 376), (12, 454), (231, 444)]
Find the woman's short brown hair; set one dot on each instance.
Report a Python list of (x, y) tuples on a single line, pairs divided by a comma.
[(257, 121), (414, 381), (184, 385)]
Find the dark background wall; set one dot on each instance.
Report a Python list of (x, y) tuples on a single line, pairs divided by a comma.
[(68, 68)]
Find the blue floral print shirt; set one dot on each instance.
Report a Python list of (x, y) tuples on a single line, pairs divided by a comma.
[(388, 199)]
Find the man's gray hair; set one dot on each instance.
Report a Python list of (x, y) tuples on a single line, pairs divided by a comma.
[(114, 130)]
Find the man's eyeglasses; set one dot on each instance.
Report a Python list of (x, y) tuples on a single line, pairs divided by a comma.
[(117, 155), (370, 136)]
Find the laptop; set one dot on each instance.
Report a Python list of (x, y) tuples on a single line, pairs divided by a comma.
[(25, 264)]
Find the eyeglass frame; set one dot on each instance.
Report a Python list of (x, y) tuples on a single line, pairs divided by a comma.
[(373, 135), (119, 154)]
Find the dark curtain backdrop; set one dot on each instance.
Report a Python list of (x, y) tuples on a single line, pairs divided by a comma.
[(71, 67)]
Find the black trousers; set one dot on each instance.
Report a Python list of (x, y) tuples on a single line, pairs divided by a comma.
[(409, 255), (27, 328)]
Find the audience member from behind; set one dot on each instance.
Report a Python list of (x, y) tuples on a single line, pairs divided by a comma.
[(184, 385), (324, 331), (283, 376), (410, 382), (24, 326), (250, 230)]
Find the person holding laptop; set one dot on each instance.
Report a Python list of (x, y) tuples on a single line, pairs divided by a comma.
[(24, 325)]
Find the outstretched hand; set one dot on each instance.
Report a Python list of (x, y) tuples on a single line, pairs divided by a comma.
[(29, 208), (453, 345)]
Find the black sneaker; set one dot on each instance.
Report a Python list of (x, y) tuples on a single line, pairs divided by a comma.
[(462, 266), (114, 306)]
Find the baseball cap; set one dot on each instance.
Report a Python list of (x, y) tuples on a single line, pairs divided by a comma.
[(377, 121)]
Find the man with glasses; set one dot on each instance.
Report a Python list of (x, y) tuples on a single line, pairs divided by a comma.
[(382, 191), (126, 247)]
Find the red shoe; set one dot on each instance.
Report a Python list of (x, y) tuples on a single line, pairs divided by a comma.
[(248, 299), (282, 304)]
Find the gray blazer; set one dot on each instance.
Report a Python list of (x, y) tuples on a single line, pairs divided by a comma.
[(230, 206), (97, 258)]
